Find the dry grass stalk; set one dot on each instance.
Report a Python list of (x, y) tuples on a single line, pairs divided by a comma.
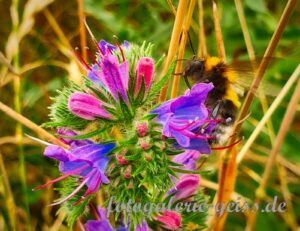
[(28, 123), (13, 140), (289, 214), (9, 199), (287, 120), (241, 15), (82, 31), (171, 7), (290, 83), (202, 49), (228, 168), (219, 37), (56, 28), (265, 62), (184, 37), (177, 28), (251, 54)]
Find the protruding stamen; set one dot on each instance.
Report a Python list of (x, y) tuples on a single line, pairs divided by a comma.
[(88, 191), (78, 55), (119, 46), (51, 182), (94, 211), (60, 178), (93, 37), (72, 194), (92, 56), (228, 146)]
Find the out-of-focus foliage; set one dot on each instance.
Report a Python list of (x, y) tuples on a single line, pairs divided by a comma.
[(47, 66)]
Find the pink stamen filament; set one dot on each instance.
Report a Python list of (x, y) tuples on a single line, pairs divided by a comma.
[(228, 146), (88, 191), (188, 125), (72, 194), (119, 46), (95, 212), (191, 134), (97, 45), (60, 178), (92, 57), (78, 54)]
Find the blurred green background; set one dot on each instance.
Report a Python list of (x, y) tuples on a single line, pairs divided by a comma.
[(38, 49)]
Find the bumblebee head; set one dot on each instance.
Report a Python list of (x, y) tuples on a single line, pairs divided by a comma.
[(194, 68)]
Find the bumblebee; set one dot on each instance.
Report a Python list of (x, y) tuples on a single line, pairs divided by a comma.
[(224, 100)]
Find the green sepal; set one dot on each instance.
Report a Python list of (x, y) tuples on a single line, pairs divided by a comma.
[(124, 108), (173, 152), (87, 135), (171, 163), (141, 94)]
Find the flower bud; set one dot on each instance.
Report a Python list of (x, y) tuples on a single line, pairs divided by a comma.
[(87, 106), (187, 186), (145, 70), (120, 157), (142, 128), (127, 172), (171, 220), (145, 143)]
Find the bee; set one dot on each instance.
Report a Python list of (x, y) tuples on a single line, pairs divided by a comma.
[(224, 100)]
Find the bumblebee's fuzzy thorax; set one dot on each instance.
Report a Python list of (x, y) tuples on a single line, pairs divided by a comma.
[(222, 78)]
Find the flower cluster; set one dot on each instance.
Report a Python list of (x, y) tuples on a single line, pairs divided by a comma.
[(117, 143)]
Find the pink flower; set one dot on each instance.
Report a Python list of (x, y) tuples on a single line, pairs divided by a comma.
[(186, 186), (87, 106), (145, 70), (171, 220)]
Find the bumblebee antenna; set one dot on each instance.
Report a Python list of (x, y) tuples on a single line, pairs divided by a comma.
[(191, 44)]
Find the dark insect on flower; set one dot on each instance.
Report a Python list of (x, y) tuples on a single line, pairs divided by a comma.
[(230, 81), (186, 117)]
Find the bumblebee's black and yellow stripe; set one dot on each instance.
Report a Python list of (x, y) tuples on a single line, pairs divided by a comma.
[(224, 97)]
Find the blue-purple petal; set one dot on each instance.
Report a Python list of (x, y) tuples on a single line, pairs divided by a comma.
[(56, 152)]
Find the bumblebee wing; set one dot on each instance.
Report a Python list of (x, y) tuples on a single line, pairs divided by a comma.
[(245, 76)]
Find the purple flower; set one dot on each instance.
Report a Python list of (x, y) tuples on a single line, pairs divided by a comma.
[(115, 76), (108, 72), (106, 47), (170, 220), (88, 161), (145, 70), (183, 117), (69, 141), (188, 158), (186, 186), (101, 225), (87, 106), (104, 225)]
